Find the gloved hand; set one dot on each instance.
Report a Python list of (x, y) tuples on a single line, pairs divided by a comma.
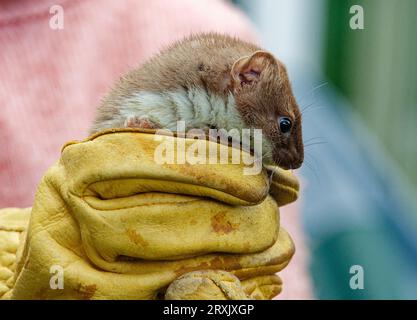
[(108, 222)]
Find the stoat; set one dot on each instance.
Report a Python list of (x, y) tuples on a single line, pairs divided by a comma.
[(211, 81)]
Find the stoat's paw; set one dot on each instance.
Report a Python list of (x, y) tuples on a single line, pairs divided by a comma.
[(140, 122)]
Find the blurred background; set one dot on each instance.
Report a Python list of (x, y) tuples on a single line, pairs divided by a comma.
[(357, 89), (358, 92)]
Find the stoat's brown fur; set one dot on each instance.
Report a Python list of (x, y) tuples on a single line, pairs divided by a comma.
[(210, 80)]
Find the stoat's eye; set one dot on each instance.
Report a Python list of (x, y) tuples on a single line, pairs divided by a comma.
[(285, 124)]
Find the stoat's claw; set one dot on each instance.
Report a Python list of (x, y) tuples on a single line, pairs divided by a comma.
[(139, 122)]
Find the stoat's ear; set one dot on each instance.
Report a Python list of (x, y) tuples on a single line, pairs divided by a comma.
[(249, 68)]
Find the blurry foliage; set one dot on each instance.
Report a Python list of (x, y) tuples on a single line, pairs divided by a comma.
[(376, 69)]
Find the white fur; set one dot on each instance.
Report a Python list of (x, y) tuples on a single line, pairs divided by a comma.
[(196, 107)]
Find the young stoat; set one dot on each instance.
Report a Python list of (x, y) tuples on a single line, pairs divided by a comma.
[(211, 81)]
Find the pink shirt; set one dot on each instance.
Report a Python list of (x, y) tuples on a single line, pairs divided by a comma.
[(52, 80)]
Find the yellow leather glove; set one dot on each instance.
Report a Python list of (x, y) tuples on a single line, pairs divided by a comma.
[(114, 224)]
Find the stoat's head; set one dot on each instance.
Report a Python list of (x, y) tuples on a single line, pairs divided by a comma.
[(265, 101)]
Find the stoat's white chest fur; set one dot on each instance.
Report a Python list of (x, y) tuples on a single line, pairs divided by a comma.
[(197, 107)]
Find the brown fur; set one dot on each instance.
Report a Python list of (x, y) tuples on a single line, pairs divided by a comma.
[(221, 64), (262, 102)]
